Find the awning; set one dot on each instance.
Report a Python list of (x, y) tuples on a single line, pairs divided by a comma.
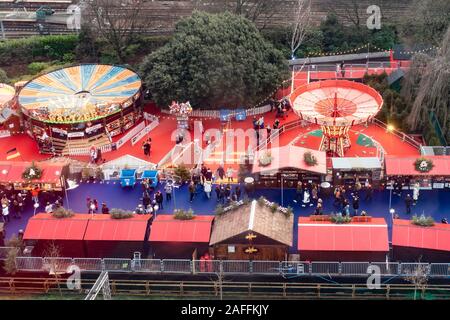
[(45, 227), (105, 228), (405, 234), (291, 157), (165, 228), (356, 163), (11, 172), (405, 166), (354, 236)]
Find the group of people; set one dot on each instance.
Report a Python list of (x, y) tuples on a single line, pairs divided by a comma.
[(397, 184), (259, 126), (95, 155), (282, 106)]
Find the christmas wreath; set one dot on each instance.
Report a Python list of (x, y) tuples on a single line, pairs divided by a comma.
[(423, 165), (32, 172), (265, 159), (309, 159)]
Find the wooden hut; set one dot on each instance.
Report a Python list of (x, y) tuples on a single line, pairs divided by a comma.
[(252, 231)]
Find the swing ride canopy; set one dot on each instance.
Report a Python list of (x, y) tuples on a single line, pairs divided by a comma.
[(6, 94), (79, 93), (336, 102)]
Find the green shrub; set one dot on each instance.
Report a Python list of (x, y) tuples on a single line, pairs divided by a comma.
[(339, 219), (116, 213), (181, 214), (36, 67), (62, 212), (423, 221), (3, 76)]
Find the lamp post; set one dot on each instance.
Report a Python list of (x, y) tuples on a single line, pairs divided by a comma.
[(392, 212), (35, 206)]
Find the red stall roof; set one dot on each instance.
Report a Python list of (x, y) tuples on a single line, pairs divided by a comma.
[(353, 236), (44, 227), (406, 234), (105, 228), (12, 171), (166, 228), (405, 166)]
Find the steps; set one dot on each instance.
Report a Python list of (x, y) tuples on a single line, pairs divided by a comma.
[(97, 141)]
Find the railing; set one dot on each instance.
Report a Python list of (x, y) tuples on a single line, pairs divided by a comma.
[(226, 289), (398, 134), (216, 113), (235, 267)]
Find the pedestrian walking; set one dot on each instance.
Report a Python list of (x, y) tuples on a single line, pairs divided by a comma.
[(168, 189), (191, 191), (416, 191), (408, 203), (355, 205), (207, 187), (5, 213), (159, 199), (105, 209)]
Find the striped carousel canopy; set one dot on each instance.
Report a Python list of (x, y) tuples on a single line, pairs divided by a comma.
[(79, 93), (6, 94), (336, 102)]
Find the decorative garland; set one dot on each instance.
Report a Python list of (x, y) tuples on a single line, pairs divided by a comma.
[(181, 214), (423, 165), (32, 172), (422, 221), (309, 158)]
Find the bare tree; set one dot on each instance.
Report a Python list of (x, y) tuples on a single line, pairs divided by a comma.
[(53, 254), (419, 278), (300, 26), (350, 12), (433, 89), (117, 21), (261, 12)]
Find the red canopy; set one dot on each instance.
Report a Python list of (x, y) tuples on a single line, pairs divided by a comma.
[(11, 172), (406, 234), (405, 166), (166, 228), (45, 227), (353, 236), (105, 228)]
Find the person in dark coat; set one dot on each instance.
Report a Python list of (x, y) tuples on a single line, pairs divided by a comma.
[(159, 199), (238, 192), (217, 191), (191, 191), (408, 203), (105, 209), (356, 204)]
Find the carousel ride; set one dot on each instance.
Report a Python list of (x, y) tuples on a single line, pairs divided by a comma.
[(78, 97), (336, 106)]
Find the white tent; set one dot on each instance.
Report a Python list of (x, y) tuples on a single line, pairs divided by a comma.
[(111, 169)]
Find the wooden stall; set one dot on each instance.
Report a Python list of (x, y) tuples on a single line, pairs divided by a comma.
[(65, 233), (288, 167), (252, 232), (107, 237), (180, 239), (52, 177), (434, 172), (413, 243), (359, 240), (348, 171)]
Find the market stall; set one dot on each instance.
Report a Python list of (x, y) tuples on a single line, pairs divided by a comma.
[(107, 237), (425, 243), (431, 172), (287, 166), (348, 171), (27, 175), (358, 240), (179, 239), (66, 234), (252, 231)]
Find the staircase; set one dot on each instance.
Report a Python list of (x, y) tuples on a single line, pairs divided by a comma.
[(97, 141)]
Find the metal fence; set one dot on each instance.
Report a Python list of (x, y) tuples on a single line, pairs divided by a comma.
[(234, 267)]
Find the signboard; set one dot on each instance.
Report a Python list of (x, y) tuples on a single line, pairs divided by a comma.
[(75, 134), (94, 128), (59, 131), (142, 134)]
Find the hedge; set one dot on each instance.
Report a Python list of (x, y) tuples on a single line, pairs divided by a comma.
[(32, 48)]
